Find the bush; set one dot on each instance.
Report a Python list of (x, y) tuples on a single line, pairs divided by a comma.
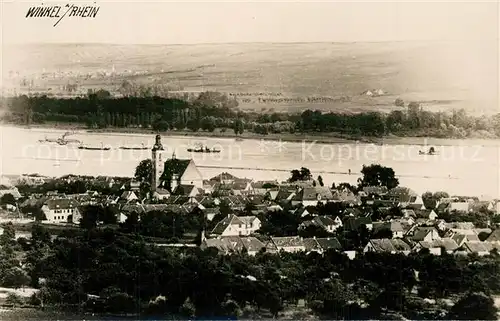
[(14, 299), (34, 300)]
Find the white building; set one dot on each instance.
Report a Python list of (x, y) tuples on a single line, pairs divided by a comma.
[(234, 225), (62, 210)]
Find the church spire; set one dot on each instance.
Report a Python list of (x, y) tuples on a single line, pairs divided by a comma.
[(158, 145)]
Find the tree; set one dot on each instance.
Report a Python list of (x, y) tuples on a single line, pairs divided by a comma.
[(15, 278), (377, 175), (9, 234), (193, 125), (384, 233), (483, 236), (304, 174), (7, 199), (429, 200), (399, 102), (346, 187), (474, 306), (238, 127), (144, 171), (160, 125), (14, 299), (187, 309), (90, 217), (320, 181), (40, 235)]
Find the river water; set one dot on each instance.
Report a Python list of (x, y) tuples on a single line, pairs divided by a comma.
[(463, 167)]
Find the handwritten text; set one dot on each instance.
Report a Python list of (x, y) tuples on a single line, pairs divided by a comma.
[(60, 12)]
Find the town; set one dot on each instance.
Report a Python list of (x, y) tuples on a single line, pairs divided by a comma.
[(171, 206)]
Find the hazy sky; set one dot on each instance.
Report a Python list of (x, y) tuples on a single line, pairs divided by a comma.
[(256, 21)]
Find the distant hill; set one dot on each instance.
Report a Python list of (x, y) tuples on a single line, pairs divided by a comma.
[(441, 75)]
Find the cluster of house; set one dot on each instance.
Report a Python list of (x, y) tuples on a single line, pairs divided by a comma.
[(418, 228), (178, 186), (457, 238), (237, 233)]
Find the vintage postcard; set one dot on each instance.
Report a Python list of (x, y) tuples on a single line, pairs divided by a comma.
[(249, 160)]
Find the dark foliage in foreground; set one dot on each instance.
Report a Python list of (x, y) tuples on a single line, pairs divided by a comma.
[(130, 275)]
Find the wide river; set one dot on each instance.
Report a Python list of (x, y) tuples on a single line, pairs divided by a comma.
[(462, 167)]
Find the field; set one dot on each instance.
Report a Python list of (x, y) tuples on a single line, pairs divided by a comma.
[(440, 75)]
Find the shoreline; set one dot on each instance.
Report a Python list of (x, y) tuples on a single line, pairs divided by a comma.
[(322, 138)]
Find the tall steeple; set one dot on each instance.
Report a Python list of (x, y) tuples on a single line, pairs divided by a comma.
[(157, 145), (157, 162)]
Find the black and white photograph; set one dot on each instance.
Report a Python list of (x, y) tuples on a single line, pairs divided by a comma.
[(249, 160)]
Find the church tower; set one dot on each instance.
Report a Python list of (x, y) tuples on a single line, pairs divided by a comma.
[(158, 163)]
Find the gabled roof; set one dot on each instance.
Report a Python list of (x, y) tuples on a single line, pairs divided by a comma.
[(422, 231), (162, 191), (61, 203), (175, 166), (447, 243), (393, 226), (364, 220), (476, 247), (127, 194), (352, 223), (414, 206), (324, 221), (389, 245), (382, 245), (404, 194), (288, 241), (239, 184), (354, 211), (423, 213), (494, 236), (225, 222), (376, 190), (400, 245), (345, 196), (260, 184), (211, 210), (309, 193), (479, 205), (225, 244), (232, 220), (409, 212), (224, 176), (311, 245), (247, 219), (460, 225), (184, 189), (252, 244), (328, 243), (130, 208), (285, 194), (459, 238)]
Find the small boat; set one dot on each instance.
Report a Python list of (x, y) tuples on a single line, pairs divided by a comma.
[(238, 139), (60, 141), (431, 151), (94, 148), (134, 148), (203, 150)]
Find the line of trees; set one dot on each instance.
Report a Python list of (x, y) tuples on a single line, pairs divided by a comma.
[(212, 110)]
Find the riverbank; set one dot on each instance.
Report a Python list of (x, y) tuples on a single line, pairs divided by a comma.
[(319, 138)]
